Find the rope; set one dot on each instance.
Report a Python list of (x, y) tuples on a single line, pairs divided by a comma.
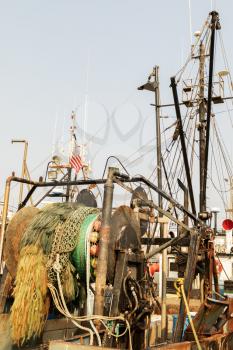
[(179, 285), (57, 268), (60, 304), (90, 219)]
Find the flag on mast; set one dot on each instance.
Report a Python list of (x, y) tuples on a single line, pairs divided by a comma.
[(76, 163), (75, 159)]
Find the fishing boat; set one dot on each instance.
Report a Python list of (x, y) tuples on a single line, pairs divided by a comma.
[(81, 273)]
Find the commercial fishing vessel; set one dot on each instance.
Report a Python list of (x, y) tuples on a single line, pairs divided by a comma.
[(82, 273)]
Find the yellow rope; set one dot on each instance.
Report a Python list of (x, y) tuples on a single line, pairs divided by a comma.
[(179, 285)]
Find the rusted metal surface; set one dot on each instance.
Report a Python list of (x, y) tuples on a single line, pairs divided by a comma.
[(174, 346), (101, 275), (121, 268), (230, 321), (210, 319), (215, 342), (125, 234)]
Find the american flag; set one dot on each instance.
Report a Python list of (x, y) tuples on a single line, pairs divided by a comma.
[(76, 163)]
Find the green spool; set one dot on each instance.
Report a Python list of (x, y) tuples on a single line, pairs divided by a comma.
[(78, 255)]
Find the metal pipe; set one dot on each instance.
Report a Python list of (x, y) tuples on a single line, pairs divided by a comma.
[(103, 181), (214, 25), (167, 197), (47, 193), (23, 165), (158, 137), (186, 200), (164, 288), (28, 196), (163, 227), (68, 187), (181, 103), (4, 218), (183, 145), (151, 204), (101, 274), (170, 243)]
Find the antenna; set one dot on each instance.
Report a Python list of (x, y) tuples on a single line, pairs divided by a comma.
[(212, 4), (55, 134), (72, 134), (86, 99), (190, 21), (62, 136)]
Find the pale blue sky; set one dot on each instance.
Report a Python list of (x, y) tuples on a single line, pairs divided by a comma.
[(44, 50)]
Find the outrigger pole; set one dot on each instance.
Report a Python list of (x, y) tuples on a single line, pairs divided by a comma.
[(183, 145)]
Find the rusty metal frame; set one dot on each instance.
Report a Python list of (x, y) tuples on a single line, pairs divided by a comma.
[(123, 179)]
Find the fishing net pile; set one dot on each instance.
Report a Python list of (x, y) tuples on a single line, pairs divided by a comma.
[(57, 230)]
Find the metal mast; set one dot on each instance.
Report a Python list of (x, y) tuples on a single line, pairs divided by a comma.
[(202, 125), (153, 85), (158, 137), (163, 228), (215, 25)]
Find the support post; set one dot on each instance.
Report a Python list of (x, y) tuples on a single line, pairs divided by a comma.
[(186, 200), (101, 275), (188, 280), (158, 138), (24, 166), (68, 186), (164, 287), (4, 220), (163, 230)]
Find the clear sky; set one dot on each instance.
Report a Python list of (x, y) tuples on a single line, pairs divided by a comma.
[(47, 49)]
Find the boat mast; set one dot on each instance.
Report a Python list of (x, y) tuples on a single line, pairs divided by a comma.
[(153, 85), (163, 233), (158, 137), (72, 150), (215, 25), (202, 124)]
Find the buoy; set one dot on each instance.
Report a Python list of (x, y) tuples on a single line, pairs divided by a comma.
[(153, 268), (94, 250), (97, 225), (227, 224), (94, 236)]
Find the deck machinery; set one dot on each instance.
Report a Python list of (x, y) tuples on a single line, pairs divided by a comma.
[(125, 295), (124, 292)]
